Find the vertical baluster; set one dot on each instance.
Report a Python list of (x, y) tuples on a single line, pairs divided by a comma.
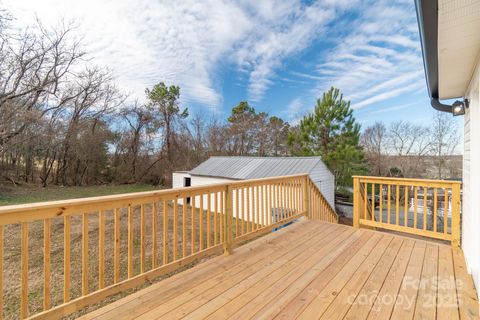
[(175, 227), (257, 207), (278, 203), (66, 259), (270, 205), (237, 212), (295, 196), (274, 204), (130, 241), (405, 208), (425, 192), (165, 231), (1, 271), (293, 186), (222, 212), (373, 202), (292, 198), (116, 247), (397, 204), (415, 201), (380, 186), (154, 233), (389, 203), (24, 272), (445, 211), (101, 249), (365, 200), (46, 264), (85, 254), (289, 191), (209, 216), (184, 227), (192, 199), (243, 210), (435, 199), (215, 218), (289, 199), (200, 222), (249, 212), (142, 238), (262, 206)]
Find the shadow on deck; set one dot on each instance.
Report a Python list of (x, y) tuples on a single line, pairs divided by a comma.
[(313, 270)]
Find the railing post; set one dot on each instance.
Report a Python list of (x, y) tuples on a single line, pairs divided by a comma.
[(227, 221), (306, 198), (455, 215), (356, 202)]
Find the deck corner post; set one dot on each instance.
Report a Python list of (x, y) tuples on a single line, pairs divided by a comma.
[(306, 198), (356, 202), (455, 215), (227, 221)]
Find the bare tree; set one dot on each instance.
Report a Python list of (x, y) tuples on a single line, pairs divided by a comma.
[(140, 121), (32, 66), (411, 143), (444, 140), (374, 142)]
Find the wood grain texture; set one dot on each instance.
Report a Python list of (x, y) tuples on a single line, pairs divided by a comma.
[(353, 274)]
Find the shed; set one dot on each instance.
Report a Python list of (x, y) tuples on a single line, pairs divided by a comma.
[(226, 169)]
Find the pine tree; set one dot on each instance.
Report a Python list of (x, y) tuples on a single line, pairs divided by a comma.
[(331, 132)]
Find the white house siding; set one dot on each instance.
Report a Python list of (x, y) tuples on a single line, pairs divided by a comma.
[(178, 178), (325, 181), (471, 180)]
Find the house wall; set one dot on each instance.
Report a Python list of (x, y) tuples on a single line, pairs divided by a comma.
[(325, 181), (471, 180)]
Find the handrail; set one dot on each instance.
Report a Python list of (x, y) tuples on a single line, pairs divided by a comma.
[(320, 208), (150, 233), (435, 215)]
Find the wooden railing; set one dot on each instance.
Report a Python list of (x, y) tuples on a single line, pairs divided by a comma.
[(428, 208), (319, 208), (64, 255)]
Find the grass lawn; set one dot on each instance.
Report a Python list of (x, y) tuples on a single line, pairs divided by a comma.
[(10, 194)]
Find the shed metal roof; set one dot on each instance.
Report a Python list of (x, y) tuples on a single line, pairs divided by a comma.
[(243, 168)]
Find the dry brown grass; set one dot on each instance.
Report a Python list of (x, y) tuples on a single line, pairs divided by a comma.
[(12, 255)]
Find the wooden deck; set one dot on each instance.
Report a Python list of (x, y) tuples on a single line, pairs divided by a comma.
[(313, 270)]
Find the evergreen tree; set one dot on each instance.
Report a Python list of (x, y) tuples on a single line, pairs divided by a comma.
[(331, 132)]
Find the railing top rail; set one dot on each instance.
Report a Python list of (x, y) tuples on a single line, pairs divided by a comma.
[(62, 205), (406, 180)]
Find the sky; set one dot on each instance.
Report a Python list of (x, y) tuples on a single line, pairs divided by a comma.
[(278, 55)]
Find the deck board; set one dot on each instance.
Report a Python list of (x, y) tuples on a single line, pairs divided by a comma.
[(313, 270)]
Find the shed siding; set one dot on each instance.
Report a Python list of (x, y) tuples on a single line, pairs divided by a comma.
[(471, 180), (177, 179), (325, 181)]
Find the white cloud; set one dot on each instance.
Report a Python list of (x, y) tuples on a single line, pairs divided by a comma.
[(187, 42), (393, 108), (377, 56)]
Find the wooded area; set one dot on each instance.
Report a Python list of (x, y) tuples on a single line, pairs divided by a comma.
[(63, 121), (405, 149)]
